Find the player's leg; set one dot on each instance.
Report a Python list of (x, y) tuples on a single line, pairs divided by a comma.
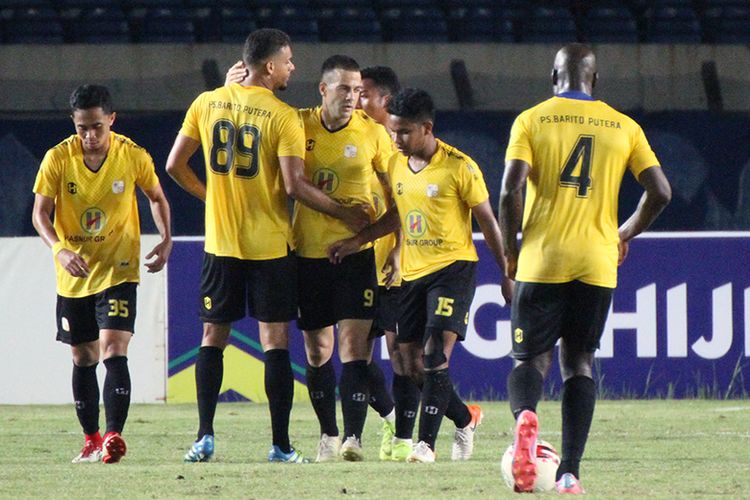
[(380, 399), (321, 385), (274, 306), (585, 318), (115, 314), (353, 385), (223, 299), (76, 326), (536, 316)]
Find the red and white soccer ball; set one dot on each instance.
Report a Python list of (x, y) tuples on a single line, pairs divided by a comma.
[(547, 460)]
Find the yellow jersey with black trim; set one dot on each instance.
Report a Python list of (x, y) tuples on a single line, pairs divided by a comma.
[(341, 163), (434, 206), (96, 213), (384, 245), (578, 149), (243, 132)]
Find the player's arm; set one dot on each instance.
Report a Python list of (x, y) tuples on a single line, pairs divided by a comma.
[(161, 215), (657, 195), (41, 217), (183, 149), (388, 223), (302, 190), (510, 211), (392, 264), (493, 237)]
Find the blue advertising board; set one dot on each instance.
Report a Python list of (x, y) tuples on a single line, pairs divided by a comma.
[(679, 326)]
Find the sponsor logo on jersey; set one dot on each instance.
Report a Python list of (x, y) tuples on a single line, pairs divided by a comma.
[(118, 187), (416, 224), (72, 188), (93, 220), (432, 190), (399, 188), (309, 145), (326, 180), (350, 151)]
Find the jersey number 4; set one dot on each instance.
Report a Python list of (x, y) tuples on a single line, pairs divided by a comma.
[(231, 145), (582, 152)]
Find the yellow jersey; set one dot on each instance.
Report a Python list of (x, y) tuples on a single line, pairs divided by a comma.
[(243, 132), (384, 245), (341, 163), (96, 213), (434, 206), (578, 149)]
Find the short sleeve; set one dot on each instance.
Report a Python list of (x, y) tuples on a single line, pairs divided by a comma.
[(191, 124), (472, 188), (147, 178), (384, 150), (291, 134), (641, 156), (519, 144), (48, 176)]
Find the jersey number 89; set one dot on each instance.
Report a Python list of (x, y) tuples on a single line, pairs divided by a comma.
[(232, 146)]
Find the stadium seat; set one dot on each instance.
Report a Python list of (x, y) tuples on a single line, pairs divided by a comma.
[(100, 25), (235, 24), (480, 24), (414, 24), (298, 22), (730, 24), (14, 4), (550, 25), (350, 24), (610, 24), (339, 4), (151, 4), (279, 4), (398, 4), (673, 25), (33, 25), (167, 26), (77, 4)]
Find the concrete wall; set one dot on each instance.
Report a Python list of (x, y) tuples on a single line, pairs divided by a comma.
[(504, 76)]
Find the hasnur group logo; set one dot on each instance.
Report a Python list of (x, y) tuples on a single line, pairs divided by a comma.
[(416, 224), (326, 180), (93, 220)]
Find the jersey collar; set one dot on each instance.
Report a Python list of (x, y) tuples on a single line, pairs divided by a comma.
[(576, 94)]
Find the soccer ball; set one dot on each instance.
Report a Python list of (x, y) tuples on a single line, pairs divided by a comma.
[(547, 461)]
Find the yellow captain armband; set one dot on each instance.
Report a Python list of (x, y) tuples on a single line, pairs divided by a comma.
[(56, 248)]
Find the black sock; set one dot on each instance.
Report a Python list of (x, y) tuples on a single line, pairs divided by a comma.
[(525, 385), (578, 400), (86, 397), (321, 384), (209, 372), (279, 382), (353, 388), (436, 395), (457, 411), (380, 399), (406, 395), (116, 393)]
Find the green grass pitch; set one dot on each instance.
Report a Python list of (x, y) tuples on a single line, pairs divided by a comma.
[(655, 449)]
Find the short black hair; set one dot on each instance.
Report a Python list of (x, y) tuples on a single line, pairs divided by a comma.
[(413, 104), (384, 78), (339, 61), (91, 96), (262, 44)]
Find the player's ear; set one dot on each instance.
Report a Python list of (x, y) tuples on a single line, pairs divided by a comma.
[(270, 66), (322, 88), (427, 127), (112, 117)]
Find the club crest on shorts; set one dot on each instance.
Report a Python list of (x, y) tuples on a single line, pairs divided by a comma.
[(518, 335), (207, 303)]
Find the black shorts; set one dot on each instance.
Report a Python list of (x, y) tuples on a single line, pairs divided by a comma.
[(542, 313), (262, 289), (80, 319), (439, 300), (386, 317), (329, 292)]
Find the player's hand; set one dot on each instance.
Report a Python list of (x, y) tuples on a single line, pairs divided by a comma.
[(511, 265), (236, 73), (161, 253), (506, 288), (356, 217), (73, 263), (392, 267), (622, 247), (342, 248)]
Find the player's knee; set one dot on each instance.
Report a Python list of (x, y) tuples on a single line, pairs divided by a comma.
[(434, 356)]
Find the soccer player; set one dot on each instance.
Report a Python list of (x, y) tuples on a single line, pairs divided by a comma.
[(570, 152), (436, 189), (253, 148), (89, 181), (379, 84), (344, 148)]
